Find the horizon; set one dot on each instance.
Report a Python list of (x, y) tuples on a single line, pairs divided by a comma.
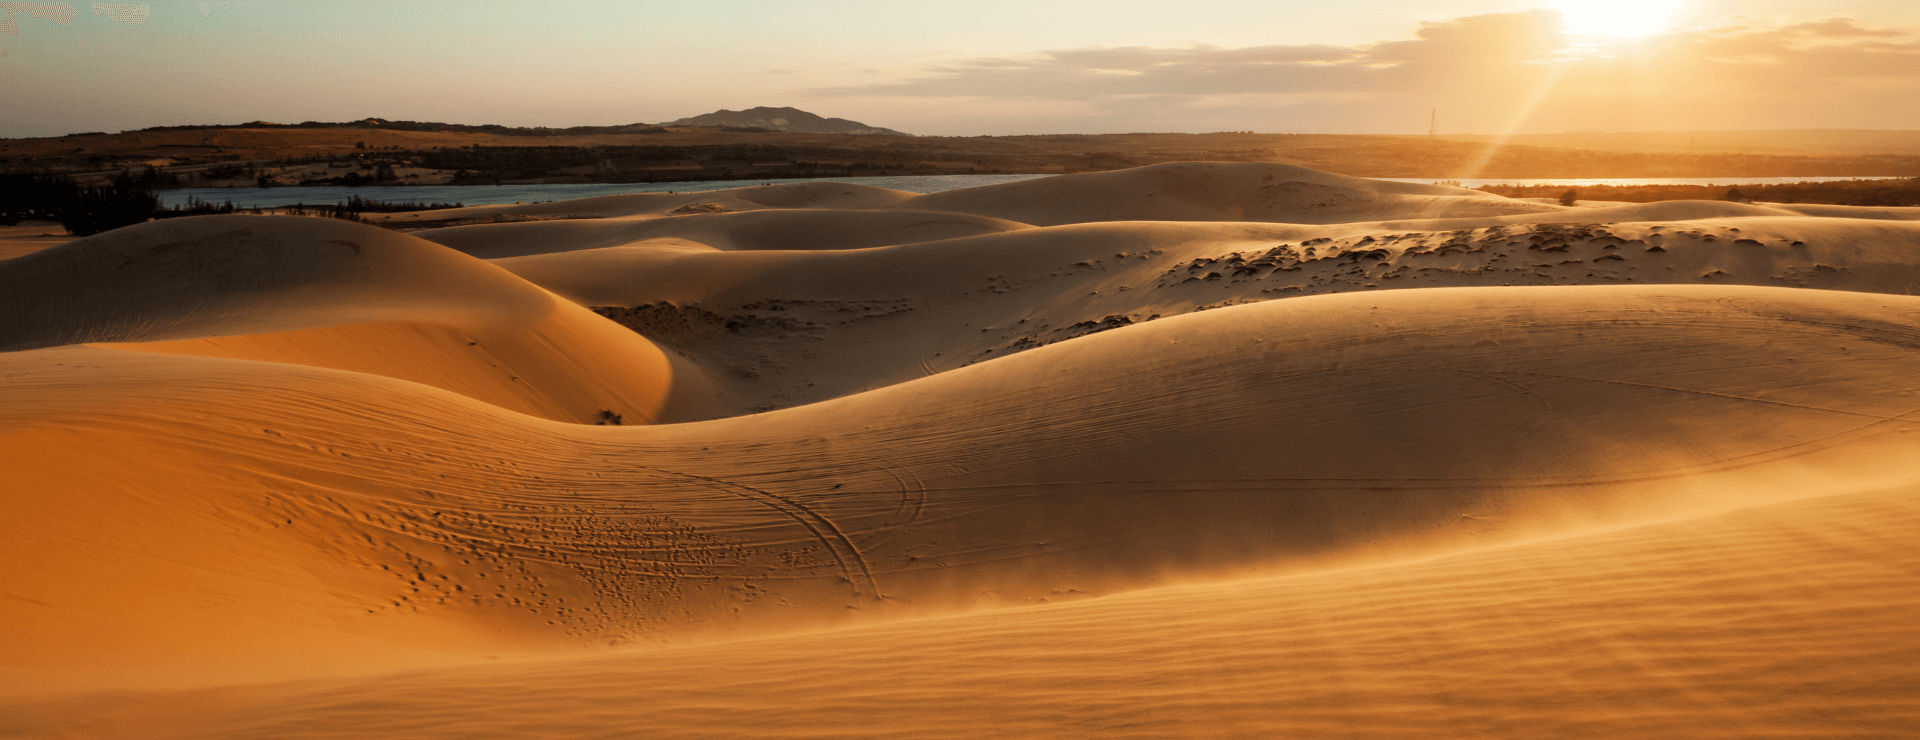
[(612, 124), (1489, 67), (345, 122)]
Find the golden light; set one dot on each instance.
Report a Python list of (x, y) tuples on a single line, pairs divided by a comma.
[(1625, 18)]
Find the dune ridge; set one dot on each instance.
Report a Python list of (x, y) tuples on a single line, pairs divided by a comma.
[(1455, 466)]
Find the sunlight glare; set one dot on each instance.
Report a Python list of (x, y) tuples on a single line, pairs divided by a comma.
[(1624, 18)]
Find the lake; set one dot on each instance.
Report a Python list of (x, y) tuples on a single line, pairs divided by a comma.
[(486, 195), (481, 195), (1591, 182)]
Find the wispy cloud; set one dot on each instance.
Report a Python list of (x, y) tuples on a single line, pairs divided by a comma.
[(61, 13), (64, 13), (1479, 70), (132, 15)]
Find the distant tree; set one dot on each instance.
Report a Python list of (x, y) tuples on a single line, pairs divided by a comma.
[(196, 207), (1888, 192), (1570, 197), (154, 179), (38, 196), (124, 202), (360, 145)]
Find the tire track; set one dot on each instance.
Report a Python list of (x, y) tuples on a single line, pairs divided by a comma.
[(912, 497), (1802, 407), (823, 529)]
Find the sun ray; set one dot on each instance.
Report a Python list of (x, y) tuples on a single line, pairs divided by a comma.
[(1549, 79)]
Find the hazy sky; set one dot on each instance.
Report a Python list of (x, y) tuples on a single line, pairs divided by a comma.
[(976, 67)]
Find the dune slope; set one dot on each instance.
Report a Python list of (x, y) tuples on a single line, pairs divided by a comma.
[(1760, 622)]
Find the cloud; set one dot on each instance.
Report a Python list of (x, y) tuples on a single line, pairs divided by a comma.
[(61, 13), (206, 8), (1480, 71), (1461, 45), (1841, 28), (132, 15)]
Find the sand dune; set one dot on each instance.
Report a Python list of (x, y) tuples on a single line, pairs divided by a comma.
[(792, 327), (340, 295), (1509, 413), (1222, 467)]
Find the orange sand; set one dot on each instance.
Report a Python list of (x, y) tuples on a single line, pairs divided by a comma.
[(1191, 450)]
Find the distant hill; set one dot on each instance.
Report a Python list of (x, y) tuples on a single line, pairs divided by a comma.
[(428, 126), (791, 120)]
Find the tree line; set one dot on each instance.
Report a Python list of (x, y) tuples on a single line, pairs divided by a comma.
[(1873, 193), (85, 210), (81, 210)]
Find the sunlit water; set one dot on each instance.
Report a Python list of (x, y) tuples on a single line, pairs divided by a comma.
[(1630, 181), (481, 195)]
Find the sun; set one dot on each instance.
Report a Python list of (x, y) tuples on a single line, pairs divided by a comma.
[(1625, 18)]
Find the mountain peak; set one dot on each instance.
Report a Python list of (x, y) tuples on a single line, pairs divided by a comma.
[(783, 119)]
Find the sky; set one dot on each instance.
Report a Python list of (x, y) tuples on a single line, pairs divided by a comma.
[(979, 67)]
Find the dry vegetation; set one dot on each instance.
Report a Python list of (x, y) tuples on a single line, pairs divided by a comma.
[(1904, 192)]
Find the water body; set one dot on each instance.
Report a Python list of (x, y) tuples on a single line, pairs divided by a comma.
[(484, 195), (487, 195), (1630, 181)]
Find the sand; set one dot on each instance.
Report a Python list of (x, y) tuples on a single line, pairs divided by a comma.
[(28, 237), (1190, 450)]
